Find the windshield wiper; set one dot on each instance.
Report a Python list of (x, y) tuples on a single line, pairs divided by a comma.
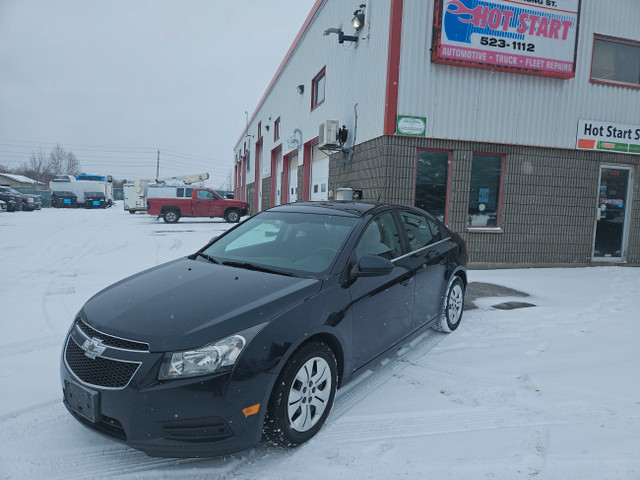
[(257, 268), (207, 257)]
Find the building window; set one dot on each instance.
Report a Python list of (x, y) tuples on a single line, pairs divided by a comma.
[(317, 89), (616, 61), (485, 191), (276, 129), (432, 171)]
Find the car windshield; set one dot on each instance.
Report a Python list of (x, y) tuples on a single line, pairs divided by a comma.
[(291, 243)]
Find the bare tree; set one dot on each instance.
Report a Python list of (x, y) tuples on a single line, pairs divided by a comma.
[(57, 160), (72, 165), (37, 168), (62, 162)]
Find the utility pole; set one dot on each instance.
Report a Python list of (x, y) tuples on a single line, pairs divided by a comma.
[(158, 166)]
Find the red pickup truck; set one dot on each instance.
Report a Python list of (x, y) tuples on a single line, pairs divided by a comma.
[(171, 203)]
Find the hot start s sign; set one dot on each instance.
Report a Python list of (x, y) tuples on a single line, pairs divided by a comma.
[(536, 37), (608, 136)]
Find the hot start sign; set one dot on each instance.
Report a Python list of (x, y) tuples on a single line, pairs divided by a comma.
[(608, 136), (535, 37)]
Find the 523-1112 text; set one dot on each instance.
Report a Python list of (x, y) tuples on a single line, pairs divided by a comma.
[(502, 43)]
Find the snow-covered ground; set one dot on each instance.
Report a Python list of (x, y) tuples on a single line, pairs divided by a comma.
[(548, 392)]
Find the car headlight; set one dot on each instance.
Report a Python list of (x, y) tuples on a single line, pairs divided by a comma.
[(216, 357)]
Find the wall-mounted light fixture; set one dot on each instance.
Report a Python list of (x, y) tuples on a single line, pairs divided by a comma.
[(357, 22), (358, 18), (300, 89)]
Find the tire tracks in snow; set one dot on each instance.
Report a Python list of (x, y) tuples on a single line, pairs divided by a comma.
[(366, 428), (356, 390), (31, 345), (120, 460)]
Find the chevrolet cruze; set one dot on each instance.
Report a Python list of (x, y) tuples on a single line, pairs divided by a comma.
[(249, 338)]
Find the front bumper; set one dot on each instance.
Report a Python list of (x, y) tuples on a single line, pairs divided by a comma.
[(196, 417)]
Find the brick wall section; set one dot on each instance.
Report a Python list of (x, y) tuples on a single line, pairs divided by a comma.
[(549, 196)]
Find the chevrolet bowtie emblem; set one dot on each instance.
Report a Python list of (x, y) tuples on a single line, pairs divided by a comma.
[(93, 348)]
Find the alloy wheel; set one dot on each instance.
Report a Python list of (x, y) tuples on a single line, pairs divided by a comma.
[(309, 394)]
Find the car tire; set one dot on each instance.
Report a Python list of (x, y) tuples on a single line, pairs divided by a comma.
[(232, 215), (452, 307), (171, 216), (303, 396), (132, 211)]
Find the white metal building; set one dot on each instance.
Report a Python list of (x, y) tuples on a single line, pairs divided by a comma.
[(517, 122)]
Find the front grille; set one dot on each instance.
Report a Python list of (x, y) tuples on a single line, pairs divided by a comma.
[(101, 372), (111, 341)]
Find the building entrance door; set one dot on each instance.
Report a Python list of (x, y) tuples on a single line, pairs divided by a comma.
[(293, 178), (614, 198)]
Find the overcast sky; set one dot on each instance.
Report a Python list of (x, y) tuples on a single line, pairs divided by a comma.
[(114, 80)]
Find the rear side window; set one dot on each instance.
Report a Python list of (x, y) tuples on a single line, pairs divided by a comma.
[(188, 192), (180, 193), (421, 231)]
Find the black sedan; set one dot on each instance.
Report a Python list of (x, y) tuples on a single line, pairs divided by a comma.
[(250, 337)]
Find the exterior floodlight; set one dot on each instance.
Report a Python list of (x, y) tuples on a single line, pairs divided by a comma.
[(358, 20)]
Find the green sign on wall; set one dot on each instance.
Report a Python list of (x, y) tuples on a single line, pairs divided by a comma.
[(410, 125)]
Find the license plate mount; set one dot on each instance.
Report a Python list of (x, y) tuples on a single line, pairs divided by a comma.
[(83, 401)]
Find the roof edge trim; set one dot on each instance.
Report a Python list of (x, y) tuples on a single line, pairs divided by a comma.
[(292, 48)]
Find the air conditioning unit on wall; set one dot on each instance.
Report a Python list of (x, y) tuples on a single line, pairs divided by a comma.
[(328, 134)]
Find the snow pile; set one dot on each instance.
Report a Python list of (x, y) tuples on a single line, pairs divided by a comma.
[(550, 391)]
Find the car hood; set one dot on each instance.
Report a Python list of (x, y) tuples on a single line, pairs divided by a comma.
[(189, 303)]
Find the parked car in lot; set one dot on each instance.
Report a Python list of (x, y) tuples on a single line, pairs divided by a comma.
[(252, 335), (13, 201), (28, 201)]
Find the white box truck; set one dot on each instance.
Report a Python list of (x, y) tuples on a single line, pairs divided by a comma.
[(87, 188)]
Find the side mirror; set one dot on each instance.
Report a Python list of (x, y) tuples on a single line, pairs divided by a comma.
[(373, 266), (213, 239)]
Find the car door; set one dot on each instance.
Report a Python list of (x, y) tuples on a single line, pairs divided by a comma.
[(381, 306), (428, 261), (203, 204)]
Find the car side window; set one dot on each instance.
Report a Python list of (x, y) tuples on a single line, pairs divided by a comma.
[(205, 195), (435, 229), (180, 193), (420, 230), (188, 192), (380, 238)]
